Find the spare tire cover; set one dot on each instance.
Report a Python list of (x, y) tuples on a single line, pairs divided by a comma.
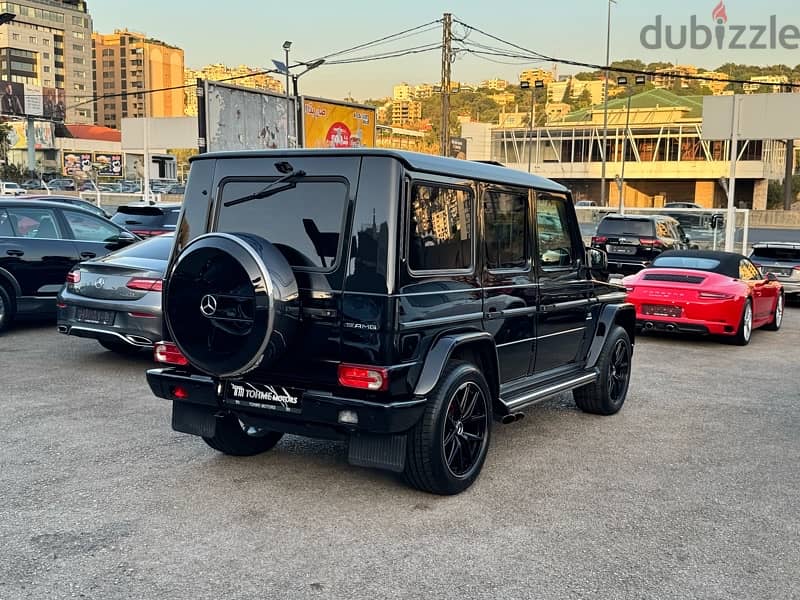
[(231, 303)]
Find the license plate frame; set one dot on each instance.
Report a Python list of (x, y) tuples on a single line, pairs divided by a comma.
[(662, 310), (617, 249), (276, 398), (94, 316)]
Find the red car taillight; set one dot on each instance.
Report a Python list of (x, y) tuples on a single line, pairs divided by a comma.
[(651, 243), (361, 377), (73, 277), (168, 354), (715, 296), (145, 284), (599, 239)]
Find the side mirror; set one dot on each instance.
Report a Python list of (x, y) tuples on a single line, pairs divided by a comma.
[(597, 259), (770, 276), (123, 238)]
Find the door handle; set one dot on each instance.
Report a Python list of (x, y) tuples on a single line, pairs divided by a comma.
[(88, 254), (15, 252)]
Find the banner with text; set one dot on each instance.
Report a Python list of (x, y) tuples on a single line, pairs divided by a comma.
[(328, 124)]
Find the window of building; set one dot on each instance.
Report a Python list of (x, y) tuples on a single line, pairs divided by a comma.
[(505, 221), (32, 39), (108, 52), (107, 85), (45, 55), (441, 228), (79, 35), (78, 47), (15, 36), (555, 245), (46, 69), (108, 74), (79, 86), (78, 60), (45, 42)]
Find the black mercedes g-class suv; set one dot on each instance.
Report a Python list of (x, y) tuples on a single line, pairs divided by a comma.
[(399, 301)]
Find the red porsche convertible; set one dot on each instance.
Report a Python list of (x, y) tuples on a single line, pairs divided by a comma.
[(700, 291)]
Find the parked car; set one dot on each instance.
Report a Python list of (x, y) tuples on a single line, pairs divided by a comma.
[(73, 200), (176, 188), (10, 188), (64, 185), (116, 299), (585, 203), (633, 241), (32, 184), (40, 241), (148, 219), (352, 294), (681, 205), (705, 292), (782, 259)]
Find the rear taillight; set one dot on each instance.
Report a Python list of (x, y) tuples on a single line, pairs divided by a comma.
[(73, 277), (651, 243), (599, 239), (363, 377), (715, 296), (796, 267), (168, 354), (145, 284)]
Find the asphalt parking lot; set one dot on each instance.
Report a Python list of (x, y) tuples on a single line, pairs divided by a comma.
[(692, 491)]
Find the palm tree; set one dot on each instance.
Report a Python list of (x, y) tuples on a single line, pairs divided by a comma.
[(5, 141)]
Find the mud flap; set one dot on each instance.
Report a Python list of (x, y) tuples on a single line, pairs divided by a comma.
[(194, 418), (378, 451)]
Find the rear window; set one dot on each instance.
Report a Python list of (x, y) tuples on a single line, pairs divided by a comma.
[(787, 254), (625, 227), (686, 262), (157, 247), (304, 222), (148, 216)]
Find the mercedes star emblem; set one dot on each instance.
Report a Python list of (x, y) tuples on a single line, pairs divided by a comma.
[(208, 305), (99, 283)]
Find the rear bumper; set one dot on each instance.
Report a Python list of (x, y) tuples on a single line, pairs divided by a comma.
[(128, 327), (319, 416), (671, 325)]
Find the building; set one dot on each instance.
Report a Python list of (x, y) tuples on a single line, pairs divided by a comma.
[(405, 111), (402, 92), (666, 159), (49, 44), (719, 84), (423, 90), (774, 83), (574, 88), (556, 111), (669, 77), (503, 98), (532, 75), (494, 84), (242, 76), (127, 61)]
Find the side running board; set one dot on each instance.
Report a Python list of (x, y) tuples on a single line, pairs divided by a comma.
[(532, 396)]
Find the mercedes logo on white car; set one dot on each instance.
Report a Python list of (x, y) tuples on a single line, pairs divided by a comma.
[(208, 305)]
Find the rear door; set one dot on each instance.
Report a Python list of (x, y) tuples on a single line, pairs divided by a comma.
[(35, 249), (509, 288), (563, 315), (93, 235)]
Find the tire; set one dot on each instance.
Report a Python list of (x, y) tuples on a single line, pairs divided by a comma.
[(120, 347), (231, 438), (447, 448), (745, 330), (777, 315), (606, 395), (8, 308)]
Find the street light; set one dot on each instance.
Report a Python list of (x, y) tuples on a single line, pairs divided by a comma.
[(526, 84), (639, 80), (286, 46), (605, 109), (299, 113)]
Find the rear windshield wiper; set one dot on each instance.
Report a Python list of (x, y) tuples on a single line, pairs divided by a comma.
[(281, 184)]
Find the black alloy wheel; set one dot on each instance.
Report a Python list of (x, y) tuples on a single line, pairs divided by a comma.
[(7, 309), (464, 432), (606, 395), (619, 371)]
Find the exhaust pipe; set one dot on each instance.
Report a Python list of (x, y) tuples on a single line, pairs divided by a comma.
[(63, 329), (670, 327), (139, 340), (649, 325), (508, 419)]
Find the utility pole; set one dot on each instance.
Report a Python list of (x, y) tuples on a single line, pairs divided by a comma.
[(605, 110), (788, 196), (447, 54)]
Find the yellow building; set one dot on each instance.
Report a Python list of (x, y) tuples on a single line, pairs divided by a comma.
[(720, 83), (405, 111), (532, 75), (127, 61), (402, 92)]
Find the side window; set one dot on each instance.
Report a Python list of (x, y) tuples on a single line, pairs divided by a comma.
[(555, 245), (663, 230), (441, 228), (505, 236), (88, 228), (748, 271), (6, 230), (34, 223)]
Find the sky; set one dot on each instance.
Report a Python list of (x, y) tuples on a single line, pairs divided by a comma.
[(252, 32)]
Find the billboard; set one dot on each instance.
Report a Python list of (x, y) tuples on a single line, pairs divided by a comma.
[(330, 124), (44, 133), (760, 117), (236, 118), (31, 100), (77, 163), (458, 148), (108, 165)]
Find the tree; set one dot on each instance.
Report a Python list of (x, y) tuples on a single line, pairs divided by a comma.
[(584, 100), (5, 141)]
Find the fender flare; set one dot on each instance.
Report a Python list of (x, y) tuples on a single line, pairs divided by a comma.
[(440, 353), (624, 314), (6, 276)]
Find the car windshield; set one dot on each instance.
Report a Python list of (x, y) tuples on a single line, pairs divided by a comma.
[(625, 227), (686, 262), (157, 247), (304, 219), (148, 216), (787, 254)]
